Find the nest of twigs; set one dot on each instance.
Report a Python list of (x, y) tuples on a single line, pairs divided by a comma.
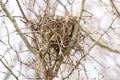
[(56, 30), (52, 35)]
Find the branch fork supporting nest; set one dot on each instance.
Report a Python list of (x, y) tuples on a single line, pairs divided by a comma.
[(52, 36)]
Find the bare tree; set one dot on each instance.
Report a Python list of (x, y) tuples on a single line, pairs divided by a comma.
[(58, 40)]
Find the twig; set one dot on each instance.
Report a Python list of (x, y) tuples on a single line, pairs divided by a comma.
[(78, 63), (17, 28), (97, 41), (115, 8), (9, 70), (21, 10), (101, 44), (67, 12)]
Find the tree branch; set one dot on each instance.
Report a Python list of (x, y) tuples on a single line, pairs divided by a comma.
[(101, 44), (9, 69), (21, 10), (17, 28), (73, 38)]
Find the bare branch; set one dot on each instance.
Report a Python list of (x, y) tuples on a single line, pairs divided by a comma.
[(73, 38), (17, 29), (21, 10), (9, 70), (113, 4)]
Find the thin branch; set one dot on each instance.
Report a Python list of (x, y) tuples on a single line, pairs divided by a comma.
[(17, 28), (21, 10), (104, 45), (115, 8), (101, 35), (78, 63), (101, 44), (67, 12), (9, 70)]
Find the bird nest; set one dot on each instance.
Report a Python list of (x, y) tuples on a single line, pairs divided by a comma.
[(52, 36), (54, 31)]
